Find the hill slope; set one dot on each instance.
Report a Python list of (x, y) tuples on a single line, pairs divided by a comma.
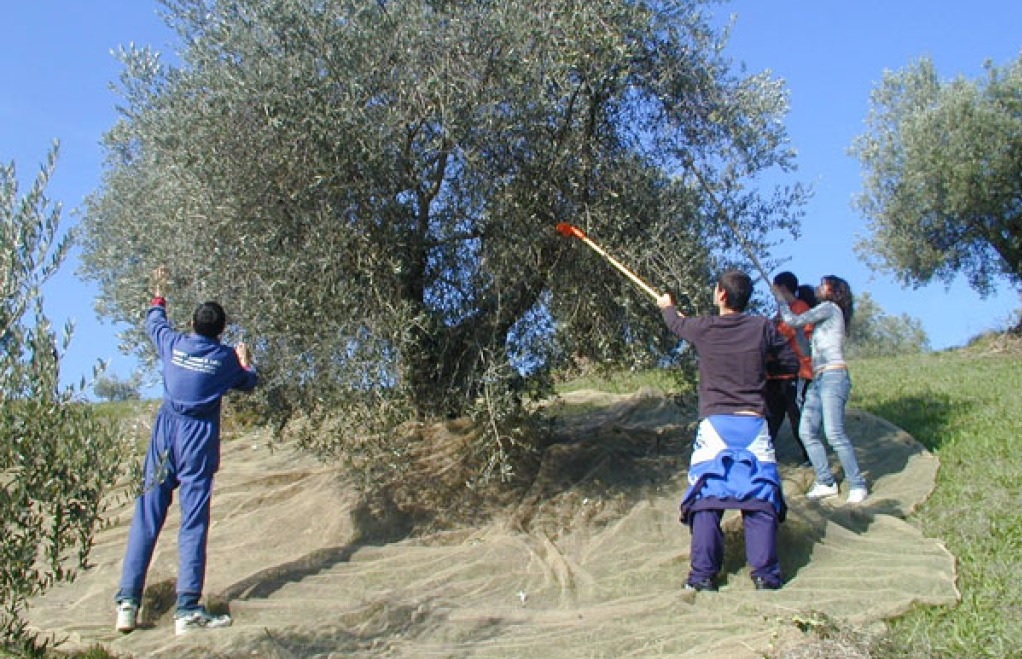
[(590, 562)]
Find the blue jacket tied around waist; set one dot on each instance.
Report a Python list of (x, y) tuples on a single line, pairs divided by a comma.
[(733, 467)]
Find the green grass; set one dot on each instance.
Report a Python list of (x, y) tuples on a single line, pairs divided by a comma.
[(124, 410), (624, 382), (964, 406)]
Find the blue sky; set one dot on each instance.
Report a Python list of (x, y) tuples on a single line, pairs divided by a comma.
[(831, 55), (56, 68)]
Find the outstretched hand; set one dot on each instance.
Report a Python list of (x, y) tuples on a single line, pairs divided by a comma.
[(782, 294), (665, 300), (160, 277), (244, 355)]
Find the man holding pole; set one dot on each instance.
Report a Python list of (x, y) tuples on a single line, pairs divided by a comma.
[(733, 464)]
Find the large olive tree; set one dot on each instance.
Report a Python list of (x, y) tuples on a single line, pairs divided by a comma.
[(372, 188), (943, 176)]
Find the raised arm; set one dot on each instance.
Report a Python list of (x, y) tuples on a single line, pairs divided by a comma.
[(814, 315), (156, 324), (160, 277)]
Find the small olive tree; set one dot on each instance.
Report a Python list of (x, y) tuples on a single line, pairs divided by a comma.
[(113, 388), (56, 458), (874, 333), (941, 186)]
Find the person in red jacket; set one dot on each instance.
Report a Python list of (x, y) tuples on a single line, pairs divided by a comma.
[(782, 388), (807, 294)]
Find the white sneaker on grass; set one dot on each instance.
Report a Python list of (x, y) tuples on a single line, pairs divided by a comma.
[(857, 495), (198, 620), (127, 616), (821, 491)]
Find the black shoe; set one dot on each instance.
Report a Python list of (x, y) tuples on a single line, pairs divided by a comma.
[(764, 584), (699, 586)]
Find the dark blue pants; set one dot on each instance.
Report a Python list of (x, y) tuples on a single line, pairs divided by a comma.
[(707, 552), (184, 454), (783, 401)]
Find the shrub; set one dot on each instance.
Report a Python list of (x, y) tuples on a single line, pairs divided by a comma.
[(56, 457)]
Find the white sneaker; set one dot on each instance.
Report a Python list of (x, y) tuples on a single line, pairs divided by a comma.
[(857, 495), (821, 491), (127, 615), (199, 619)]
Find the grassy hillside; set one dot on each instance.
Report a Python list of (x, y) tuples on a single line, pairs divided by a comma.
[(964, 406)]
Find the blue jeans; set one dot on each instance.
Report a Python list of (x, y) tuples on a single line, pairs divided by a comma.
[(824, 408)]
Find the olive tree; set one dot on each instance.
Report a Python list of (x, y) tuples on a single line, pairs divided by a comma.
[(372, 188), (56, 458), (942, 188), (114, 389), (874, 333)]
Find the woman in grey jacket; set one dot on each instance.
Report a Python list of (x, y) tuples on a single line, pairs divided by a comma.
[(825, 401)]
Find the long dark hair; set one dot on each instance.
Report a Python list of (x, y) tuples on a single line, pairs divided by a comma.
[(840, 293)]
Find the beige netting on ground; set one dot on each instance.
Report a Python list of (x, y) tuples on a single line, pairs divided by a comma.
[(590, 563)]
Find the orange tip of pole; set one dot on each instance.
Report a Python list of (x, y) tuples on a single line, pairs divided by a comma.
[(566, 229)]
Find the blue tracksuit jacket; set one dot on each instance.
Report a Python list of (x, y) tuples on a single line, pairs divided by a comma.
[(733, 466)]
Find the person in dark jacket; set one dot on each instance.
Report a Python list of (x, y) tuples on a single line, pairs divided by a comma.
[(183, 454), (733, 464)]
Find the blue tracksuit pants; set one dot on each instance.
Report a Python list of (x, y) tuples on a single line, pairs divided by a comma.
[(707, 552), (184, 454)]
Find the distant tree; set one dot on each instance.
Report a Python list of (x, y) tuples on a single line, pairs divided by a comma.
[(112, 388), (373, 189), (56, 459), (942, 190), (874, 333)]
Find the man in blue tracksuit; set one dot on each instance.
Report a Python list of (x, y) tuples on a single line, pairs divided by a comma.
[(183, 454)]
